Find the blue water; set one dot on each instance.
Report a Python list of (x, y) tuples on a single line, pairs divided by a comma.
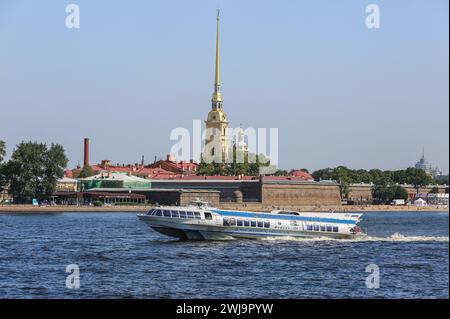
[(120, 257)]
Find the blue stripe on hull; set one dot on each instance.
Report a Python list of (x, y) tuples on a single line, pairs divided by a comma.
[(283, 217)]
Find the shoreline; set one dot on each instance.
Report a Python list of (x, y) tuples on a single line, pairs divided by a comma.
[(8, 209)]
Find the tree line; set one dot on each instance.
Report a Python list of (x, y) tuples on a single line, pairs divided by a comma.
[(241, 163), (386, 184), (32, 171)]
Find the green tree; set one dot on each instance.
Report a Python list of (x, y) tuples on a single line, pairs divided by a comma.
[(33, 170), (417, 177), (241, 163), (388, 193), (441, 181), (383, 193), (55, 161), (400, 192), (2, 150), (281, 172), (434, 190), (341, 174), (86, 171), (322, 174), (3, 178), (379, 177)]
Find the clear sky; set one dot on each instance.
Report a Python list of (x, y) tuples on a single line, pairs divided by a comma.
[(340, 94)]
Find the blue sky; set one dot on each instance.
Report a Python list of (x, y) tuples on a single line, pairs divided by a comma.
[(339, 93)]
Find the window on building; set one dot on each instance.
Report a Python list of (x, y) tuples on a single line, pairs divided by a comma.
[(213, 151)]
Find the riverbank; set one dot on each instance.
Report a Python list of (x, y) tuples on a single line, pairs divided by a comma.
[(249, 207)]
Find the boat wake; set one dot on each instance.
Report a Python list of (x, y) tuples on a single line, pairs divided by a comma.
[(396, 237)]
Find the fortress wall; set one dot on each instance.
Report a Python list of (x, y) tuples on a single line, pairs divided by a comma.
[(292, 194), (360, 192)]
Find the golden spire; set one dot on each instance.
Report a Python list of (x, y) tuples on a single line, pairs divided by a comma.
[(217, 95), (217, 80)]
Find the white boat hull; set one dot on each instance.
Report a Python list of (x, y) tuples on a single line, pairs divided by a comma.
[(196, 230)]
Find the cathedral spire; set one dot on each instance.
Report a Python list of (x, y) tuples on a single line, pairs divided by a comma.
[(217, 98)]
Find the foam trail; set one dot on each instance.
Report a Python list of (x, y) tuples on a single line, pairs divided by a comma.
[(396, 237)]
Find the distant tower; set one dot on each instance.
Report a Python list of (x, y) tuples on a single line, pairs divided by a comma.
[(216, 144), (426, 166), (86, 152)]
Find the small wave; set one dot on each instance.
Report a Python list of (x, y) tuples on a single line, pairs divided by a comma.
[(396, 237)]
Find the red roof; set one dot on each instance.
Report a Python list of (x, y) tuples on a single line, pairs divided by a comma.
[(68, 173), (301, 174)]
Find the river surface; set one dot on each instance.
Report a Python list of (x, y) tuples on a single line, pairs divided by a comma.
[(121, 257)]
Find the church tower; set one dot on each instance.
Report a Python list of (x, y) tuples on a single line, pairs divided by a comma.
[(216, 144)]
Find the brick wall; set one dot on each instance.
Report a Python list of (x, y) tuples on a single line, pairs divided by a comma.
[(300, 193)]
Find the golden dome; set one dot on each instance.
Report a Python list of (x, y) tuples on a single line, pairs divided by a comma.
[(217, 115)]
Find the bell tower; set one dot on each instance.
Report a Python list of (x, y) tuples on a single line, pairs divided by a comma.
[(216, 144)]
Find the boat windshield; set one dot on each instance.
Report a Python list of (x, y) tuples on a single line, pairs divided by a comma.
[(288, 213), (199, 203)]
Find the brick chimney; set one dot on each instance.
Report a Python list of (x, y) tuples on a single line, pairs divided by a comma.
[(86, 152)]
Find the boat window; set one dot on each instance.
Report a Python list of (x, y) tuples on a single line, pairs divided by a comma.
[(166, 213), (329, 228), (322, 228), (266, 224), (309, 227), (335, 229), (190, 215), (182, 214), (197, 215), (316, 227), (232, 222), (260, 223), (226, 222), (151, 212), (253, 223), (246, 222), (239, 222), (208, 216), (157, 213), (175, 214)]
